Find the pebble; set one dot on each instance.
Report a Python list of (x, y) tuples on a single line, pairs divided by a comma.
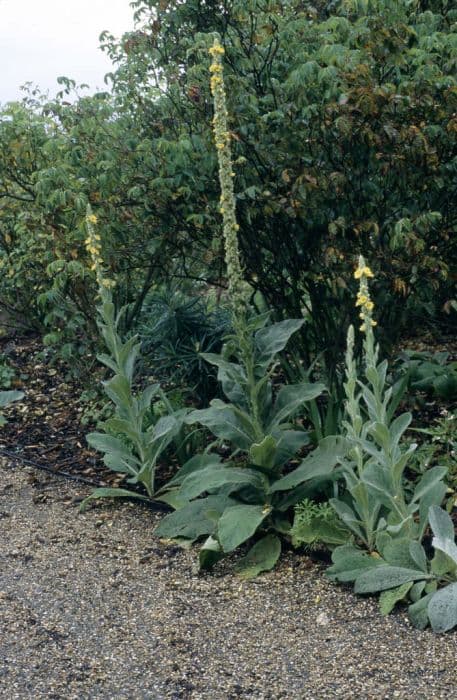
[(93, 607)]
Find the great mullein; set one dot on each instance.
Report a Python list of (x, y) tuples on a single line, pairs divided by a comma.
[(377, 505), (230, 228), (250, 494), (131, 445)]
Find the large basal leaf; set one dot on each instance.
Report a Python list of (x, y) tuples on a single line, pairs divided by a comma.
[(290, 398), (192, 465), (195, 519), (261, 557), (213, 478), (274, 338), (349, 562), (442, 609), (238, 523), (319, 463), (388, 599), (385, 577), (224, 423), (397, 553)]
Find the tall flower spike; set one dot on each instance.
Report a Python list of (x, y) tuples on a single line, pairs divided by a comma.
[(227, 200), (94, 248), (366, 306)]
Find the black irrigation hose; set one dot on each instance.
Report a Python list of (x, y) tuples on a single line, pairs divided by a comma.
[(155, 505)]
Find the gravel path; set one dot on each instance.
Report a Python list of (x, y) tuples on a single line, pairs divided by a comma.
[(91, 606)]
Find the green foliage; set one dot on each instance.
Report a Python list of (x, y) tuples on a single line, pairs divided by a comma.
[(6, 373), (317, 525), (343, 136), (343, 126), (402, 571), (129, 446), (175, 329), (262, 435), (430, 373)]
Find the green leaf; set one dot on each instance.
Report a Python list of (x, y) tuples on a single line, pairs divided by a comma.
[(418, 612), (111, 493), (428, 481), (442, 609), (114, 448), (385, 577), (192, 465), (6, 397), (290, 398), (194, 519), (261, 557), (441, 524), (288, 443), (274, 338), (347, 516), (213, 478), (223, 422), (418, 555), (210, 553), (388, 599), (238, 523), (397, 553), (263, 454), (349, 562), (319, 463)]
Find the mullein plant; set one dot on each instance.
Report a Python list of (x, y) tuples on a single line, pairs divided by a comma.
[(131, 445), (375, 504), (252, 494), (383, 517)]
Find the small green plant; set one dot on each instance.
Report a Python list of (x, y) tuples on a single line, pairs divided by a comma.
[(316, 525), (6, 373), (131, 441), (401, 571), (429, 373), (443, 444), (6, 398)]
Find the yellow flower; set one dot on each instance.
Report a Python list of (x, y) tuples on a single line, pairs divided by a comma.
[(369, 305), (363, 272), (92, 219), (216, 49), (361, 299)]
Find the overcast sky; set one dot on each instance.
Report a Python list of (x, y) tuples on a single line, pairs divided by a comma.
[(43, 39)]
